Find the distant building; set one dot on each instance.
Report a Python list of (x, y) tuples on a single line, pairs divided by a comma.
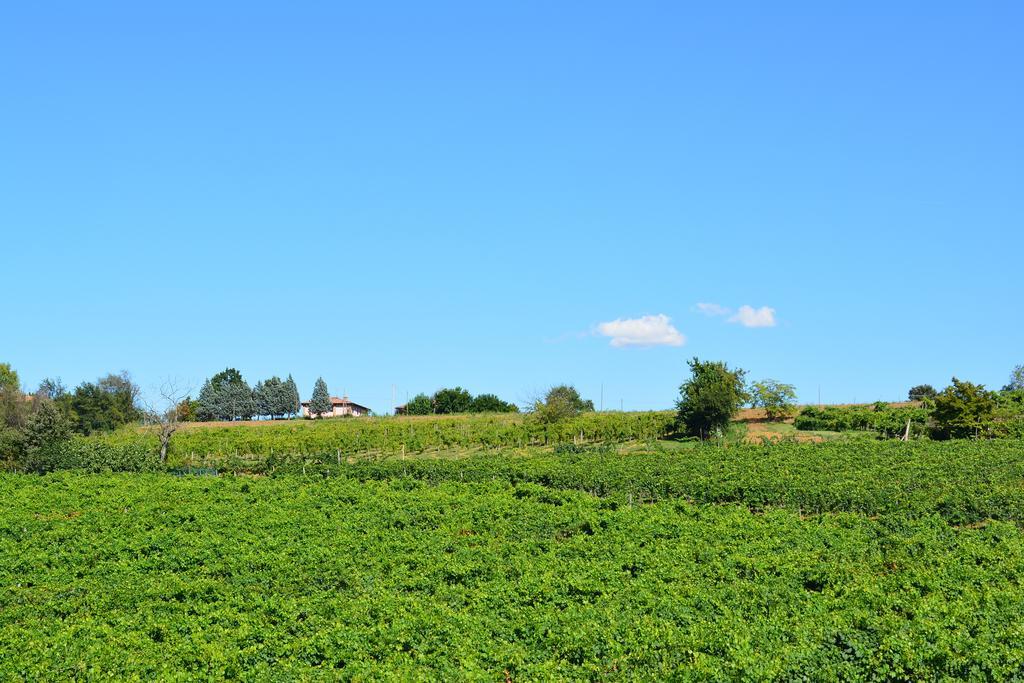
[(339, 408)]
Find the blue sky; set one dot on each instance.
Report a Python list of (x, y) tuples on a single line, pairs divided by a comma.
[(431, 194)]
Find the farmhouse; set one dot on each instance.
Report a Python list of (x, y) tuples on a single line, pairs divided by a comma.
[(339, 407)]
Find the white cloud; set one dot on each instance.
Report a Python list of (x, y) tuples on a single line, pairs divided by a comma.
[(748, 316), (649, 330), (713, 309)]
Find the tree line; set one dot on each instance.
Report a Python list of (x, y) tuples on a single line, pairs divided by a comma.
[(33, 425), (450, 401), (227, 396), (714, 393)]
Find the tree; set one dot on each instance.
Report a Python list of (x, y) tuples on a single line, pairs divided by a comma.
[(14, 414), (209, 408), (188, 410), (291, 400), (489, 403), (421, 404), (260, 400), (449, 401), (1016, 380), (239, 401), (269, 398), (710, 398), (228, 375), (963, 410), (560, 403), (922, 392), (320, 402), (777, 399), (52, 389), (9, 377), (226, 396), (272, 397), (104, 405), (45, 434), (167, 416)]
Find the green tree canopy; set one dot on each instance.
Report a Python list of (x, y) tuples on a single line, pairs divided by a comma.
[(226, 396), (560, 403), (104, 405), (273, 398), (777, 399), (229, 376), (450, 401), (45, 434), (710, 398), (320, 402), (489, 403), (963, 409), (922, 392), (420, 404), (291, 399), (9, 377)]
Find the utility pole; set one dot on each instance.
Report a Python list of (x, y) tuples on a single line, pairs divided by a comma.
[(392, 399), (620, 405), (602, 397)]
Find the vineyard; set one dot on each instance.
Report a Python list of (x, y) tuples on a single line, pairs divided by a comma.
[(841, 561), (392, 435)]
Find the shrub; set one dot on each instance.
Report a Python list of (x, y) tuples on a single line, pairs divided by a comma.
[(92, 455)]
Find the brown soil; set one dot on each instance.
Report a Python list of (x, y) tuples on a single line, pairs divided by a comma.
[(758, 432)]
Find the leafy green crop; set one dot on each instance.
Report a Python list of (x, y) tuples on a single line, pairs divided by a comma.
[(395, 435), (159, 577)]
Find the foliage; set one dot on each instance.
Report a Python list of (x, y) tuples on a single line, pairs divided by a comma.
[(421, 404), (455, 401), (922, 392), (964, 482), (30, 426), (293, 403), (9, 377), (777, 399), (226, 396), (261, 446), (275, 397), (963, 409), (91, 455), (188, 410), (710, 398), (562, 402), (1016, 382), (45, 435), (489, 403), (889, 421), (52, 389), (103, 405), (228, 376), (154, 577), (451, 401), (320, 402)]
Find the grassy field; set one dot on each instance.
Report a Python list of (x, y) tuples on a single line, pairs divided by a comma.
[(852, 560)]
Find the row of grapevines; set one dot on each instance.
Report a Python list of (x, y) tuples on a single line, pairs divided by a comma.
[(396, 435), (963, 481), (153, 577)]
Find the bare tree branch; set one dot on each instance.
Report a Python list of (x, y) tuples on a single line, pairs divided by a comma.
[(166, 415)]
